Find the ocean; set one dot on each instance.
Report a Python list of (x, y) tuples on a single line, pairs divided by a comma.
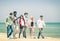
[(51, 30)]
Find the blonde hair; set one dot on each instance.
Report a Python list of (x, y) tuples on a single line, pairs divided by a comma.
[(31, 18)]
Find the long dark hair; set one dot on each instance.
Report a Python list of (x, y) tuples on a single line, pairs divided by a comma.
[(22, 17)]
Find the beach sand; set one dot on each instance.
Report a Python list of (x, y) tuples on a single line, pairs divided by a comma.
[(4, 38)]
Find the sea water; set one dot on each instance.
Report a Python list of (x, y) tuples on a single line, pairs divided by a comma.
[(51, 30)]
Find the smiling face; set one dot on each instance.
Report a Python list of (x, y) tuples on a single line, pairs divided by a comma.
[(41, 17), (25, 14), (21, 17), (13, 16), (10, 15), (31, 18)]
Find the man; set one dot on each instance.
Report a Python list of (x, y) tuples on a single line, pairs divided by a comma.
[(9, 25), (15, 24), (26, 23), (41, 25)]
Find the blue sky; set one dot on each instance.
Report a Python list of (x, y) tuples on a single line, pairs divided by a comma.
[(50, 9)]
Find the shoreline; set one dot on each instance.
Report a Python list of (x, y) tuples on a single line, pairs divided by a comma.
[(4, 38)]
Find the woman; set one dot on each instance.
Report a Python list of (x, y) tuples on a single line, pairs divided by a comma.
[(31, 26), (22, 25)]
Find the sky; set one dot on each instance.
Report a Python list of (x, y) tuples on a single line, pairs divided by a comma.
[(50, 9)]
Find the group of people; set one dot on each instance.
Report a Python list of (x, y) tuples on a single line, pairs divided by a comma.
[(22, 23)]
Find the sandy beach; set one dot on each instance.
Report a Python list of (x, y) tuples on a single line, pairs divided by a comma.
[(4, 38)]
